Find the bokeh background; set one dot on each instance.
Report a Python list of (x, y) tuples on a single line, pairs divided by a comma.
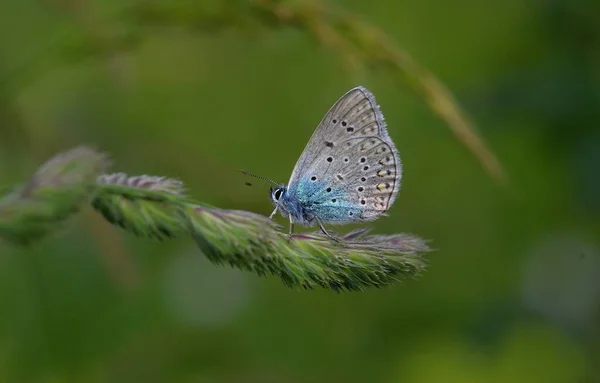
[(512, 293)]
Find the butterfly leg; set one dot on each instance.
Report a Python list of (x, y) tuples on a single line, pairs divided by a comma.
[(274, 212), (291, 225), (325, 231)]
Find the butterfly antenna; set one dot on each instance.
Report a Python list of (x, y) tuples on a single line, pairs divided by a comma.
[(258, 177)]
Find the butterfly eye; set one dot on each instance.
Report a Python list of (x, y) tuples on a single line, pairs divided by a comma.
[(278, 193)]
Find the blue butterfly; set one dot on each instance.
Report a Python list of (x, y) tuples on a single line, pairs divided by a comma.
[(349, 171)]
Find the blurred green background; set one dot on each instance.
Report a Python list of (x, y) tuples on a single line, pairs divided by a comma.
[(511, 295)]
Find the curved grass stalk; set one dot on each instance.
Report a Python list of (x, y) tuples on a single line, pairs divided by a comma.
[(357, 42), (156, 207)]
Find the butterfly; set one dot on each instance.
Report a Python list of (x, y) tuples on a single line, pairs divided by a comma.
[(349, 171)]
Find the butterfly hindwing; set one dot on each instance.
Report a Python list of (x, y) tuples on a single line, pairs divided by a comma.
[(350, 169)]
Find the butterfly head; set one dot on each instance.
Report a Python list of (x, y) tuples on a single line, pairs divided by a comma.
[(277, 193)]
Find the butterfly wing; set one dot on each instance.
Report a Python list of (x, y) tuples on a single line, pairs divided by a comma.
[(350, 169)]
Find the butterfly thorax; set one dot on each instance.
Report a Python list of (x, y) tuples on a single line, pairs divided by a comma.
[(289, 204)]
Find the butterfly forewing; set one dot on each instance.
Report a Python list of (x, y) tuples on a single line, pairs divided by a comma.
[(350, 169)]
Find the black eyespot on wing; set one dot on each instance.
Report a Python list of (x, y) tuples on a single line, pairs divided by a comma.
[(363, 179), (333, 200), (334, 121), (346, 159), (366, 167), (363, 202), (328, 190), (360, 188), (329, 159), (329, 144), (340, 177), (363, 159), (313, 178), (349, 129), (344, 123)]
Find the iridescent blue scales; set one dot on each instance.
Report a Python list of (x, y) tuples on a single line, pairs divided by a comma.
[(349, 171)]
